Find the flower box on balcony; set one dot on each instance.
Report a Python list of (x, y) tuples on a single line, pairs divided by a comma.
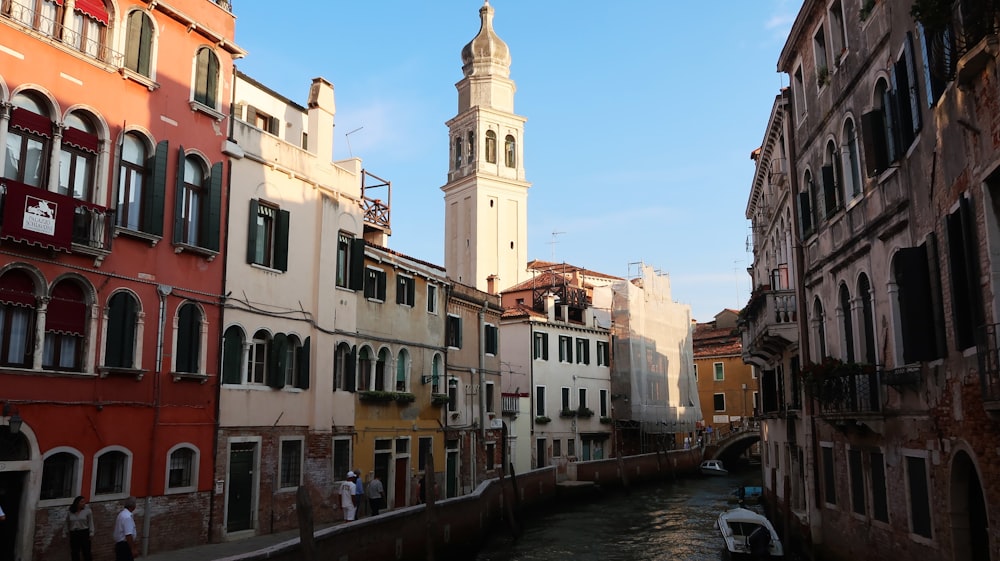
[(376, 396), (567, 413), (439, 399), (404, 397), (584, 413), (605, 420), (542, 419)]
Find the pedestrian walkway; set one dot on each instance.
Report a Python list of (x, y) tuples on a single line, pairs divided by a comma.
[(225, 550)]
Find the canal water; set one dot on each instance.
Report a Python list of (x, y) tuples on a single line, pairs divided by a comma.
[(651, 522)]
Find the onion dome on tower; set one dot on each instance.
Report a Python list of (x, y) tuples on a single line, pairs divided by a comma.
[(486, 53)]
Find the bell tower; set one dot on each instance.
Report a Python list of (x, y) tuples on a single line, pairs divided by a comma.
[(486, 196)]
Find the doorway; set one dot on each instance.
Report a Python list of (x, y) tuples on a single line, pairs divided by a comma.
[(970, 524), (240, 498), (11, 489)]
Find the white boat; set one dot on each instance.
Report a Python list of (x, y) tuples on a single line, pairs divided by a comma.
[(713, 467), (749, 535)]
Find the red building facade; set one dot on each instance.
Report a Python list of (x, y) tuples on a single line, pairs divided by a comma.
[(113, 125)]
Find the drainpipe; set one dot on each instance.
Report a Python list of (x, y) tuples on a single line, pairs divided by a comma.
[(162, 291), (482, 367)]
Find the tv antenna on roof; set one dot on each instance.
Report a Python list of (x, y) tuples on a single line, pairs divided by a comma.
[(553, 244), (348, 137)]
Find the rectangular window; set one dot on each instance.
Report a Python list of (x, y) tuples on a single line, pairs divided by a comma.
[(565, 400), (490, 397), (492, 339), (603, 357), (857, 481), (822, 59), (424, 447), (405, 290), (491, 455), (565, 349), (799, 95), (262, 120), (720, 372), (341, 457), (454, 332), (963, 259), (556, 448), (570, 447), (112, 468), (604, 403), (829, 476), (291, 463), (350, 262), (583, 351), (540, 401), (880, 496), (695, 372), (452, 395), (583, 398), (541, 347), (719, 401), (375, 284), (920, 509), (432, 305)]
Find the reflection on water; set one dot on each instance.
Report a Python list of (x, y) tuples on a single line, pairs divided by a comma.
[(669, 520)]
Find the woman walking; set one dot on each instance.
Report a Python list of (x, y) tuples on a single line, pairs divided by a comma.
[(80, 524)]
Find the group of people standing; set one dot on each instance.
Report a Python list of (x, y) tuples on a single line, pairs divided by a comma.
[(354, 498), (80, 527)]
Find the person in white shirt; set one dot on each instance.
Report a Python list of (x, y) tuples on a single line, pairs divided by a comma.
[(125, 534), (347, 498)]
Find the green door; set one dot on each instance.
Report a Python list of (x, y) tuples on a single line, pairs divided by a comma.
[(239, 510)]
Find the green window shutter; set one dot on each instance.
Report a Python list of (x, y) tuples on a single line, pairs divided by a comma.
[(875, 142), (380, 293), (156, 192), (357, 275), (179, 198), (189, 338), (251, 114), (276, 360), (145, 45), (133, 35), (120, 343), (212, 220), (350, 370), (252, 232), (212, 80), (232, 356), (302, 364), (281, 241)]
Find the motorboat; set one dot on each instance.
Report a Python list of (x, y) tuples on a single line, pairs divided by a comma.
[(749, 535), (713, 467), (746, 494)]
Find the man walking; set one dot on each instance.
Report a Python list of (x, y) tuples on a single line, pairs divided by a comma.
[(359, 493), (376, 494), (347, 497), (125, 534)]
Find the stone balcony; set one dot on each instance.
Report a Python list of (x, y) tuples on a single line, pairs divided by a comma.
[(769, 325)]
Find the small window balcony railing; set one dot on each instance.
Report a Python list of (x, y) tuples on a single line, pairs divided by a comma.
[(42, 24), (46, 219), (844, 387)]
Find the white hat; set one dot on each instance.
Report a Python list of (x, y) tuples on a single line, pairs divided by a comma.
[(351, 474)]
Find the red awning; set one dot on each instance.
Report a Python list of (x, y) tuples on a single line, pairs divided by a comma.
[(32, 122), (67, 311), (37, 216), (17, 288), (81, 139), (93, 8)]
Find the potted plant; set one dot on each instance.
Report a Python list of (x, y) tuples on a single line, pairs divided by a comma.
[(405, 397), (822, 76), (439, 398), (375, 395), (605, 420), (567, 413), (584, 412), (541, 420)]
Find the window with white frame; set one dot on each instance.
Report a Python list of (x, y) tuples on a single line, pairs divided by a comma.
[(565, 404), (375, 284), (182, 469), (112, 474), (720, 373), (60, 475), (541, 346), (432, 298), (603, 354), (604, 403), (540, 401), (565, 349), (139, 43), (492, 342), (453, 331), (582, 351), (719, 401), (405, 290), (267, 235), (206, 80)]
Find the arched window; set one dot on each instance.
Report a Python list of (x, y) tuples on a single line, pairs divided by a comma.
[(458, 152), (436, 372), (260, 349), (88, 27), (206, 78), (60, 476), (112, 474), (402, 370), (139, 43), (193, 195), (831, 180), (384, 357), (851, 160), (848, 323), (472, 146), (510, 151), (17, 319), (491, 147), (29, 141), (296, 363), (819, 330), (365, 369), (182, 469), (343, 368), (867, 320), (232, 355), (122, 322), (188, 349), (78, 157), (132, 182), (65, 327)]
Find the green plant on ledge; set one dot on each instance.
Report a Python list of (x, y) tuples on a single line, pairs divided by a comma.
[(567, 413), (439, 398), (934, 15), (823, 76), (542, 419), (814, 376), (605, 420), (584, 412), (375, 395), (405, 397)]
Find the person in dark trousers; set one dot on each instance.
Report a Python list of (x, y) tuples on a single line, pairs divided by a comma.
[(376, 494), (125, 534), (80, 525)]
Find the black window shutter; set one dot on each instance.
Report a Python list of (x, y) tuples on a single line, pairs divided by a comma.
[(357, 274), (400, 290), (904, 114), (212, 220), (281, 241), (189, 339), (829, 190), (915, 307), (380, 292), (212, 82), (132, 37), (252, 231), (873, 138), (179, 198), (121, 331), (232, 356), (156, 192), (350, 370), (302, 365), (805, 213), (276, 360), (411, 296), (911, 79), (145, 44)]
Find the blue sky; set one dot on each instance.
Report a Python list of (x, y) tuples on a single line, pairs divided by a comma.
[(641, 118)]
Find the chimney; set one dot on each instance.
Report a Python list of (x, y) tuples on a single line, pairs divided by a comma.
[(321, 111), (550, 305), (491, 284)]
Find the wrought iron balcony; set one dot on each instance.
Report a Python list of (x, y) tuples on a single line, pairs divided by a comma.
[(851, 394), (38, 217), (41, 24), (769, 323)]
